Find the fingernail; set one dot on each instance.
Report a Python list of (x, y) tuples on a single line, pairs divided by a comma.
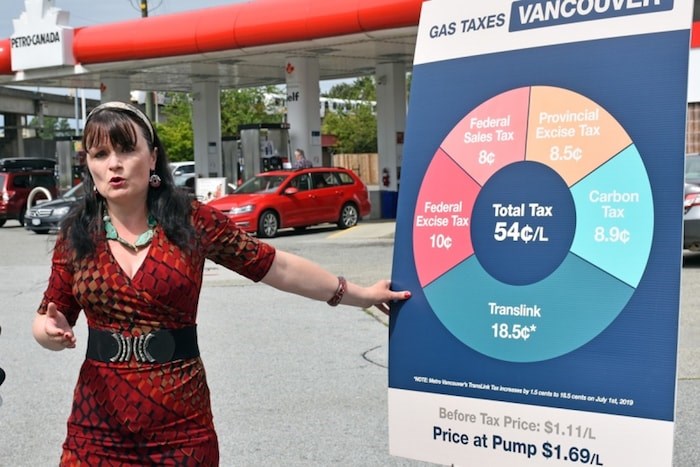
[(407, 295)]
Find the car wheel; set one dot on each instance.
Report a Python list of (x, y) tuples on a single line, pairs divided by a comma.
[(2, 222), (348, 216), (268, 224), (21, 216)]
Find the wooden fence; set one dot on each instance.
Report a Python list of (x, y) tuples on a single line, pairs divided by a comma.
[(366, 166)]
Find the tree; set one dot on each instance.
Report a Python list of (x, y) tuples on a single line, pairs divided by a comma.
[(176, 131), (356, 127), (241, 106), (363, 88), (356, 130), (238, 106), (51, 127)]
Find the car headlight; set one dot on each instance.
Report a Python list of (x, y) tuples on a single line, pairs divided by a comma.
[(61, 211), (242, 209)]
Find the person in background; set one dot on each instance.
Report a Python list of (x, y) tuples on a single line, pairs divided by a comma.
[(300, 160), (131, 257)]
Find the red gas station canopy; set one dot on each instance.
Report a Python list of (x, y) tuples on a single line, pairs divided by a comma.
[(238, 45)]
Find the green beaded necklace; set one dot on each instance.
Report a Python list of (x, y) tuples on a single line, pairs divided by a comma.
[(143, 240)]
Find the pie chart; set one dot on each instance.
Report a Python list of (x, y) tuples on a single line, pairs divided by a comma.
[(533, 224)]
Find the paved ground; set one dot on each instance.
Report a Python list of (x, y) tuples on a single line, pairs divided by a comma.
[(294, 382)]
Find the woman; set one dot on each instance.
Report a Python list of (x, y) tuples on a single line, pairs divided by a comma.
[(132, 257), (300, 160)]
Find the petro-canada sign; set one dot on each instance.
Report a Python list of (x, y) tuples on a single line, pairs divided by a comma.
[(42, 37)]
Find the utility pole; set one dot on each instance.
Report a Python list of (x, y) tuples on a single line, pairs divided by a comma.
[(150, 97)]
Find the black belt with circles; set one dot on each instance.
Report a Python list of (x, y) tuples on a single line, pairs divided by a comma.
[(159, 346)]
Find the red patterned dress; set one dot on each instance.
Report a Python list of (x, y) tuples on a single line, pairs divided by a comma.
[(135, 414)]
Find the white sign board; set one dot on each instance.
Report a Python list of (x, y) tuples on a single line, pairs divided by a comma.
[(539, 226), (41, 37)]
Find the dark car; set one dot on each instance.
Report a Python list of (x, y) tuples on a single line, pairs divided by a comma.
[(45, 217), (19, 178), (691, 218), (298, 198)]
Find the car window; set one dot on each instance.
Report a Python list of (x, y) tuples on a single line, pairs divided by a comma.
[(261, 184), (331, 178), (318, 180), (20, 181), (301, 182), (187, 167), (77, 191), (47, 181), (184, 169), (692, 167), (345, 178), (324, 179)]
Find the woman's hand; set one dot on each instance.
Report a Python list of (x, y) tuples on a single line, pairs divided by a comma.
[(380, 294), (52, 330)]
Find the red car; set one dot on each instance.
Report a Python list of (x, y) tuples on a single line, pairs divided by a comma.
[(297, 198), (21, 176)]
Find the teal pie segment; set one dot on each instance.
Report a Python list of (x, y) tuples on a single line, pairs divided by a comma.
[(567, 309), (615, 217)]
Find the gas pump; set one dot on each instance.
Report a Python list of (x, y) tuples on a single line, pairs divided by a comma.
[(232, 159), (271, 163), (70, 160), (264, 147)]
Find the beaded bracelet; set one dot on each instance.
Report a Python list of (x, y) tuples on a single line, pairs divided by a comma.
[(339, 292)]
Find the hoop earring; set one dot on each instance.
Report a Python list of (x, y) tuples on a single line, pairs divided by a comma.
[(154, 180)]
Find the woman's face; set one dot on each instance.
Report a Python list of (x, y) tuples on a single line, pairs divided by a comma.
[(121, 173)]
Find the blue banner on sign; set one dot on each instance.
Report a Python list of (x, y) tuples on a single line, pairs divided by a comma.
[(594, 315), (531, 14)]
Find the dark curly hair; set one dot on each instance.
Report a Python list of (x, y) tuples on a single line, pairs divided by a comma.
[(170, 206)]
